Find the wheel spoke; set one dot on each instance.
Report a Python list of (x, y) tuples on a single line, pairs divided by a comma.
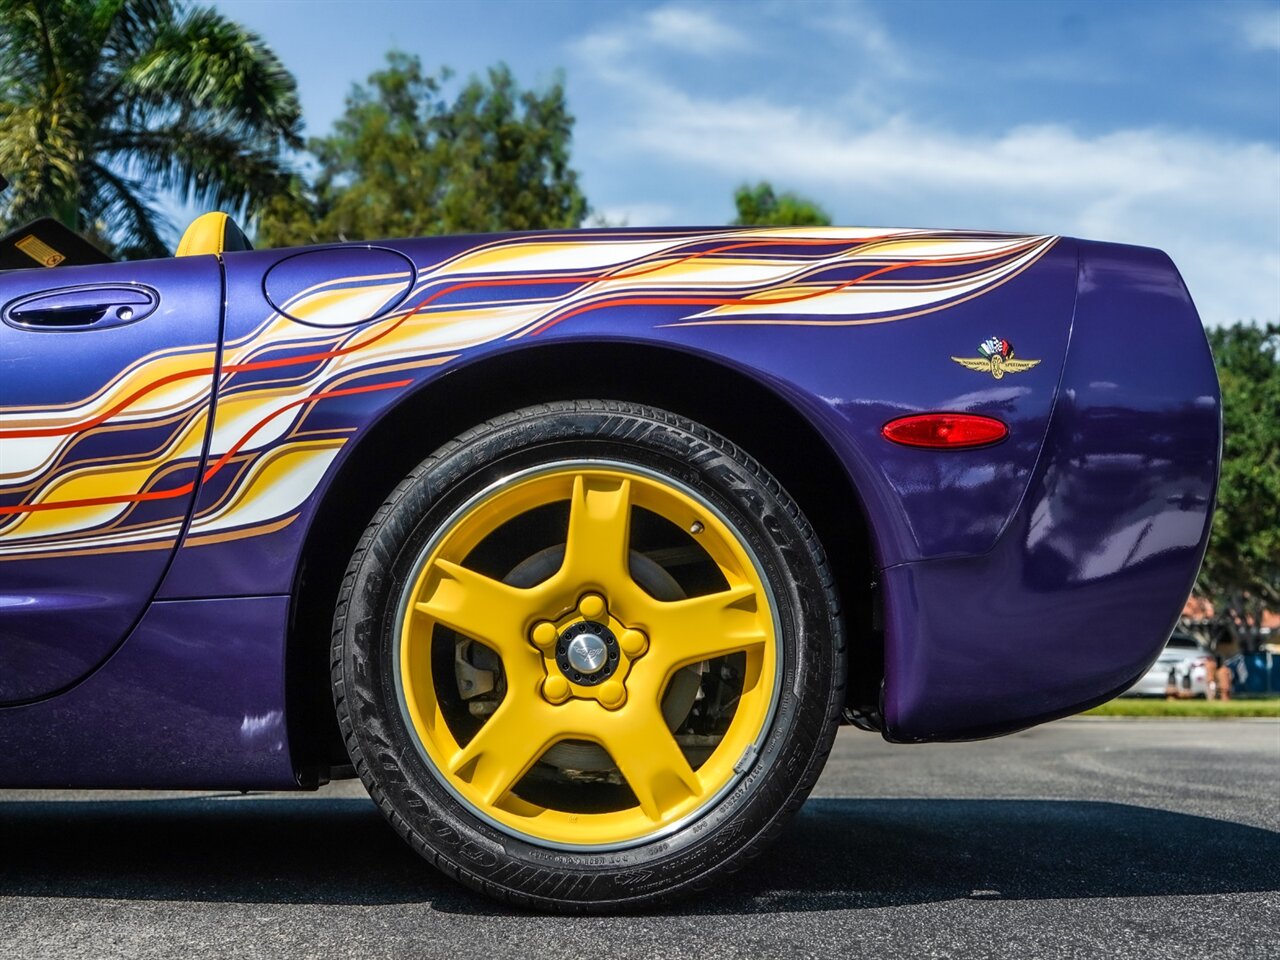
[(650, 759), (507, 745), (618, 708), (479, 607), (599, 531), (701, 628)]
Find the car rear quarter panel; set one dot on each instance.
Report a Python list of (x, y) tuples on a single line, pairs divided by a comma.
[(1078, 596)]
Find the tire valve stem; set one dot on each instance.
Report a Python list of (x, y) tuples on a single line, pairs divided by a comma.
[(696, 527)]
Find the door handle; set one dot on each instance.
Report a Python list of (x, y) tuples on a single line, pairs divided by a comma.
[(92, 307), (60, 316)]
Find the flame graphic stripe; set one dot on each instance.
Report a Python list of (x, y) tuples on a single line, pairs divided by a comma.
[(264, 453)]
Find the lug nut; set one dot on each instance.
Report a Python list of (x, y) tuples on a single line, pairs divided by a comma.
[(545, 635), (591, 606), (612, 694), (556, 689), (633, 643)]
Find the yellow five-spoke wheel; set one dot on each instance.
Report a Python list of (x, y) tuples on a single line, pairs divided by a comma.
[(587, 655)]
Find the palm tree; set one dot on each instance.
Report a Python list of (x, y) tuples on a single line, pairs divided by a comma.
[(104, 103)]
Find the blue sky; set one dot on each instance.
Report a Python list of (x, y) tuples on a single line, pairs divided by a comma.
[(1144, 122)]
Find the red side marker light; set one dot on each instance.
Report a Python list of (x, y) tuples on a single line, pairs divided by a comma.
[(944, 430)]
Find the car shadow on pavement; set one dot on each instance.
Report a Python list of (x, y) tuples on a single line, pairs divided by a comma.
[(837, 854), (844, 854)]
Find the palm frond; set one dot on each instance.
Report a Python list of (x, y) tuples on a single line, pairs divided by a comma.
[(128, 210), (201, 164), (44, 156), (105, 103), (205, 63)]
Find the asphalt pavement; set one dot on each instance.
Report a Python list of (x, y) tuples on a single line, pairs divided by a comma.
[(1083, 838)]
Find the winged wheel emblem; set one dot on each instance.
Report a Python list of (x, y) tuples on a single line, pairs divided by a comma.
[(996, 359)]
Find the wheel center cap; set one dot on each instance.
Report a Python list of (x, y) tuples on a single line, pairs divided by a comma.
[(587, 653)]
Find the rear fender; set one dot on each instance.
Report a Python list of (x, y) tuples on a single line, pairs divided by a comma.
[(1077, 598)]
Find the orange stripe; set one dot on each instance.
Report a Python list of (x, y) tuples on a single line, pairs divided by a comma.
[(108, 414), (235, 448), (464, 285), (736, 301), (187, 488)]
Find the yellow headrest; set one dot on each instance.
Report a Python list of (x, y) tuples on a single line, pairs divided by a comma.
[(212, 233)]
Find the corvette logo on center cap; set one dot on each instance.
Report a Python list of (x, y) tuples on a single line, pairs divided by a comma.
[(997, 359)]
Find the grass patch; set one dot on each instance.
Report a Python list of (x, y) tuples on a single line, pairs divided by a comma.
[(1144, 707)]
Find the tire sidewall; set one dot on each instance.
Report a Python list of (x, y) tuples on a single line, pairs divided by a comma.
[(432, 818)]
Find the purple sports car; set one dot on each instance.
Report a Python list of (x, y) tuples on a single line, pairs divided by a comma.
[(576, 547)]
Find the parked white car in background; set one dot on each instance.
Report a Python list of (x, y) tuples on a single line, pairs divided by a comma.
[(1186, 657)]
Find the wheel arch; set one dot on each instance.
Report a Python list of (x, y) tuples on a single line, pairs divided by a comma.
[(701, 388)]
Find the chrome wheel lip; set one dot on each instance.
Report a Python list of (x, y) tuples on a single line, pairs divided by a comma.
[(750, 755)]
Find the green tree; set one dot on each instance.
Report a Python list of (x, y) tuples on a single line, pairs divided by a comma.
[(406, 160), (104, 103), (1241, 572), (759, 206)]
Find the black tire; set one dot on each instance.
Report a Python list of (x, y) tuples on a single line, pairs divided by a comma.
[(739, 823)]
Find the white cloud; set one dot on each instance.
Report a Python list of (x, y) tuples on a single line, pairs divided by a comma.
[(679, 28), (857, 24), (692, 30), (1260, 29), (1213, 203)]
